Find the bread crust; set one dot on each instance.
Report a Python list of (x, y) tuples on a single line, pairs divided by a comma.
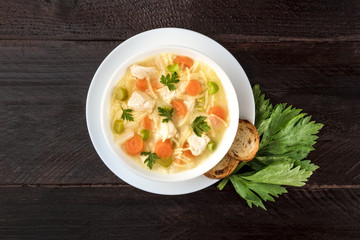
[(244, 148), (223, 169), (253, 139)]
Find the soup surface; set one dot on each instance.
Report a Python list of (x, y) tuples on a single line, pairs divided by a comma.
[(169, 112)]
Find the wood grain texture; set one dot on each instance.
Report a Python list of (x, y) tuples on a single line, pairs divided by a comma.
[(43, 89), (236, 21), (53, 185), (125, 213), (43, 94)]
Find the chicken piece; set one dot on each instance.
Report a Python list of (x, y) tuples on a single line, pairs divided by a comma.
[(142, 72), (197, 144), (166, 130), (141, 102), (181, 86), (190, 104), (166, 95)]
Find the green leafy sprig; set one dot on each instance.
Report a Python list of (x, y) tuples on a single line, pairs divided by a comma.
[(127, 115), (150, 160), (287, 137), (170, 80), (199, 125), (166, 112)]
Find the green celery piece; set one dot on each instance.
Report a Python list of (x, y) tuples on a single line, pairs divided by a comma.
[(224, 181), (256, 164), (267, 160), (286, 138), (284, 130), (280, 116), (173, 68), (264, 191), (241, 188), (281, 173), (306, 164), (260, 162), (295, 139), (263, 107)]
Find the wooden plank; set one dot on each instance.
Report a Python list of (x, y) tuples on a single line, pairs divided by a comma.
[(43, 94), (245, 21), (126, 213), (43, 89)]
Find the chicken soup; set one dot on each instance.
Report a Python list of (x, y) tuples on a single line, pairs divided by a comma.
[(169, 112)]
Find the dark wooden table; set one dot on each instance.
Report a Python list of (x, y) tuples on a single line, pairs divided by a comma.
[(53, 185)]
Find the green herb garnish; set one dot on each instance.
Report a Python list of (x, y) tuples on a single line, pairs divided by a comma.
[(199, 125), (287, 137), (170, 81), (150, 160), (166, 112), (126, 115), (173, 68)]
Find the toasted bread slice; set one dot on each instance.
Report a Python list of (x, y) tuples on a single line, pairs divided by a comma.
[(246, 142), (244, 148), (223, 169)]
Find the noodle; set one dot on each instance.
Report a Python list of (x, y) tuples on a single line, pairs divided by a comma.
[(150, 88)]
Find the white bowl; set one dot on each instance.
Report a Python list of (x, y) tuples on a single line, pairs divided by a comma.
[(206, 164)]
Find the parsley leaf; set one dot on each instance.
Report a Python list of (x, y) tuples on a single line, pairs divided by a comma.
[(150, 160), (173, 68), (166, 112), (126, 115), (199, 125), (170, 81)]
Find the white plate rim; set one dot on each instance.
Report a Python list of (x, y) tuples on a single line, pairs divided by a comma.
[(141, 42)]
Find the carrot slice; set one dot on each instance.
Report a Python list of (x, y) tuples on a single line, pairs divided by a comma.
[(164, 149), (141, 84), (134, 145), (187, 153), (178, 161), (147, 123), (185, 61), (218, 111), (179, 107), (155, 85), (193, 88)]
